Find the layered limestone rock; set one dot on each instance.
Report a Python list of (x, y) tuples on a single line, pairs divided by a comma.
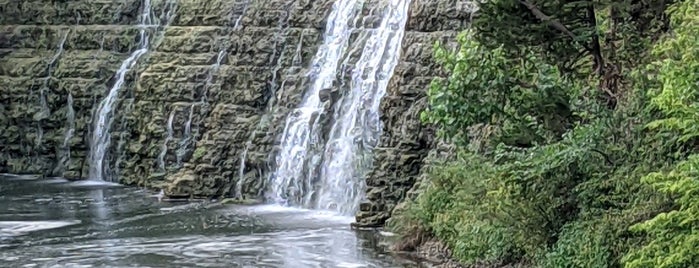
[(406, 142), (191, 104), (259, 82), (213, 90), (37, 75)]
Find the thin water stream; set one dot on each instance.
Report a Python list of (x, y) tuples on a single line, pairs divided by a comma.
[(163, 147), (101, 136), (56, 223)]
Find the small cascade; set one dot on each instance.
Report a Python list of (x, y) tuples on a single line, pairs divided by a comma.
[(157, 26), (356, 125), (70, 122), (203, 99), (210, 77), (186, 137), (266, 116), (240, 18), (99, 144), (298, 54), (68, 134), (45, 110), (289, 185), (102, 43), (163, 148)]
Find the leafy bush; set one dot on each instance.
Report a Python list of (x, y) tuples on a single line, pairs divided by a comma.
[(672, 235), (559, 183), (451, 207), (525, 97), (582, 244)]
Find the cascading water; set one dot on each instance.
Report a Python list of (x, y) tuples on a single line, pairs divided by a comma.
[(246, 5), (187, 132), (69, 132), (45, 111), (169, 8), (163, 150), (288, 184), (99, 144), (356, 127), (187, 135)]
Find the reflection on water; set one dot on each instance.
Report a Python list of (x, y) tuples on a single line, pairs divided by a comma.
[(56, 223)]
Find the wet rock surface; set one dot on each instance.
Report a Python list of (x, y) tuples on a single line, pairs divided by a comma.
[(406, 142), (221, 105), (216, 102)]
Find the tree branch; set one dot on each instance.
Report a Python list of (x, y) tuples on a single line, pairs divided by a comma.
[(543, 17), (553, 23), (595, 48), (605, 156)]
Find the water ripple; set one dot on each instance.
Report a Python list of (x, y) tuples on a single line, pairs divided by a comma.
[(59, 224)]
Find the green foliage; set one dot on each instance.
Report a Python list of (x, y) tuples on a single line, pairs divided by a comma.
[(582, 244), (198, 153), (572, 34), (451, 208), (674, 239), (558, 182), (672, 235), (677, 70), (525, 98), (515, 205), (540, 185)]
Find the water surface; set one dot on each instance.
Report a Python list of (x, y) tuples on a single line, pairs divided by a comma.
[(56, 223)]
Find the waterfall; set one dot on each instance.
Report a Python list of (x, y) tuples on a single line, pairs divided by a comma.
[(356, 125), (99, 144), (245, 10), (288, 184), (334, 178), (182, 149), (187, 132), (210, 77)]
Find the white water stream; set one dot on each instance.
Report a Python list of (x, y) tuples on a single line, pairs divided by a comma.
[(99, 144), (289, 185), (357, 125), (330, 175)]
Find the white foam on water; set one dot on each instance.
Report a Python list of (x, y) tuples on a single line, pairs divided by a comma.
[(301, 213), (53, 181), (16, 228), (350, 265), (93, 183)]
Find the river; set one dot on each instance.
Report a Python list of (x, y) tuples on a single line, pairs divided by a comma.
[(57, 223)]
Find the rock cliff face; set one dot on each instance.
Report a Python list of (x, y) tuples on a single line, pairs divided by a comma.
[(213, 90), (212, 106), (406, 142)]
